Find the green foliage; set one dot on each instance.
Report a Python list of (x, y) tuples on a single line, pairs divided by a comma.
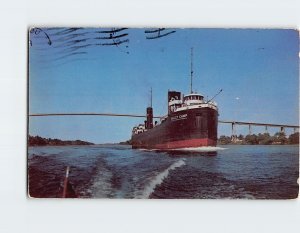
[(264, 139), (251, 139), (128, 142), (294, 138), (223, 140), (241, 137), (279, 138), (39, 141)]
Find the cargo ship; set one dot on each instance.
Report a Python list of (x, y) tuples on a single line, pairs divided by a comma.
[(191, 122)]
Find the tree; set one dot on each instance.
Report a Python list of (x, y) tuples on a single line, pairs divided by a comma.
[(294, 138), (241, 137), (280, 138), (224, 140), (251, 139), (37, 141), (264, 139)]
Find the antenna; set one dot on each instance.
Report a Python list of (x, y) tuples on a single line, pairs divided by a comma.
[(215, 96), (192, 70), (151, 97)]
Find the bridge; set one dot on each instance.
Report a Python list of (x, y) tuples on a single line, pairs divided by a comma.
[(250, 124), (87, 114), (282, 127)]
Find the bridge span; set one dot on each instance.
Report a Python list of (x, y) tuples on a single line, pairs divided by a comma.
[(250, 124), (233, 123)]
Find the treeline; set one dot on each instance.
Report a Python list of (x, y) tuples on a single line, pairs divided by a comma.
[(39, 141), (128, 142), (278, 138)]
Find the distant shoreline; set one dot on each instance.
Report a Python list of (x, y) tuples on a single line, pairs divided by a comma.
[(39, 141), (278, 138), (119, 144), (223, 140)]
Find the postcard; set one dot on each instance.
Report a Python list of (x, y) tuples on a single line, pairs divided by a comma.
[(163, 113)]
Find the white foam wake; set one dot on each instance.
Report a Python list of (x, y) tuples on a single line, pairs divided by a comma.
[(159, 178), (141, 149), (201, 149), (101, 184)]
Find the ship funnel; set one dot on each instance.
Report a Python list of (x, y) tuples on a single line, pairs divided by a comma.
[(149, 122), (174, 101)]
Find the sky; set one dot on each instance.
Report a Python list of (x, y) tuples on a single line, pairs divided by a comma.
[(73, 70)]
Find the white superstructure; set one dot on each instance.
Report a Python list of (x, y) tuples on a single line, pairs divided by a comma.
[(191, 101)]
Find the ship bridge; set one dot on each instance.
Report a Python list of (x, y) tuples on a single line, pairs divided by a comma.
[(193, 99)]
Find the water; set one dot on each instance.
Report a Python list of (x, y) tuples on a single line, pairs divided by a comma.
[(255, 172)]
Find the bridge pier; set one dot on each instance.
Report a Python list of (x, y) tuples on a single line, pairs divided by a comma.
[(282, 127), (233, 132), (266, 129)]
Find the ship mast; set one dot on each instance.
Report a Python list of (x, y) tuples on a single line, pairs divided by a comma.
[(151, 97), (192, 70)]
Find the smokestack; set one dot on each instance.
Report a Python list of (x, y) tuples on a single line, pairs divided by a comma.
[(149, 124), (172, 95)]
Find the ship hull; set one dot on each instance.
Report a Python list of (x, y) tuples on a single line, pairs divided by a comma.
[(185, 129)]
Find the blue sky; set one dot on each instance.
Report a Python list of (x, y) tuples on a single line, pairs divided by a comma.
[(258, 71)]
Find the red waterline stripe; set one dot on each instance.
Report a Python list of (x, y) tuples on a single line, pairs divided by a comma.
[(186, 143)]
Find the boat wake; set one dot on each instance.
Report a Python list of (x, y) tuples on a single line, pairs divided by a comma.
[(158, 179), (149, 150), (200, 149), (190, 149), (101, 186)]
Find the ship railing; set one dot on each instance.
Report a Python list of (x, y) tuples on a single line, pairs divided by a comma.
[(174, 102), (212, 103), (163, 118), (193, 106), (193, 102)]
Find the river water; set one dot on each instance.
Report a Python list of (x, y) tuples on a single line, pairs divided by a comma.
[(117, 171)]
